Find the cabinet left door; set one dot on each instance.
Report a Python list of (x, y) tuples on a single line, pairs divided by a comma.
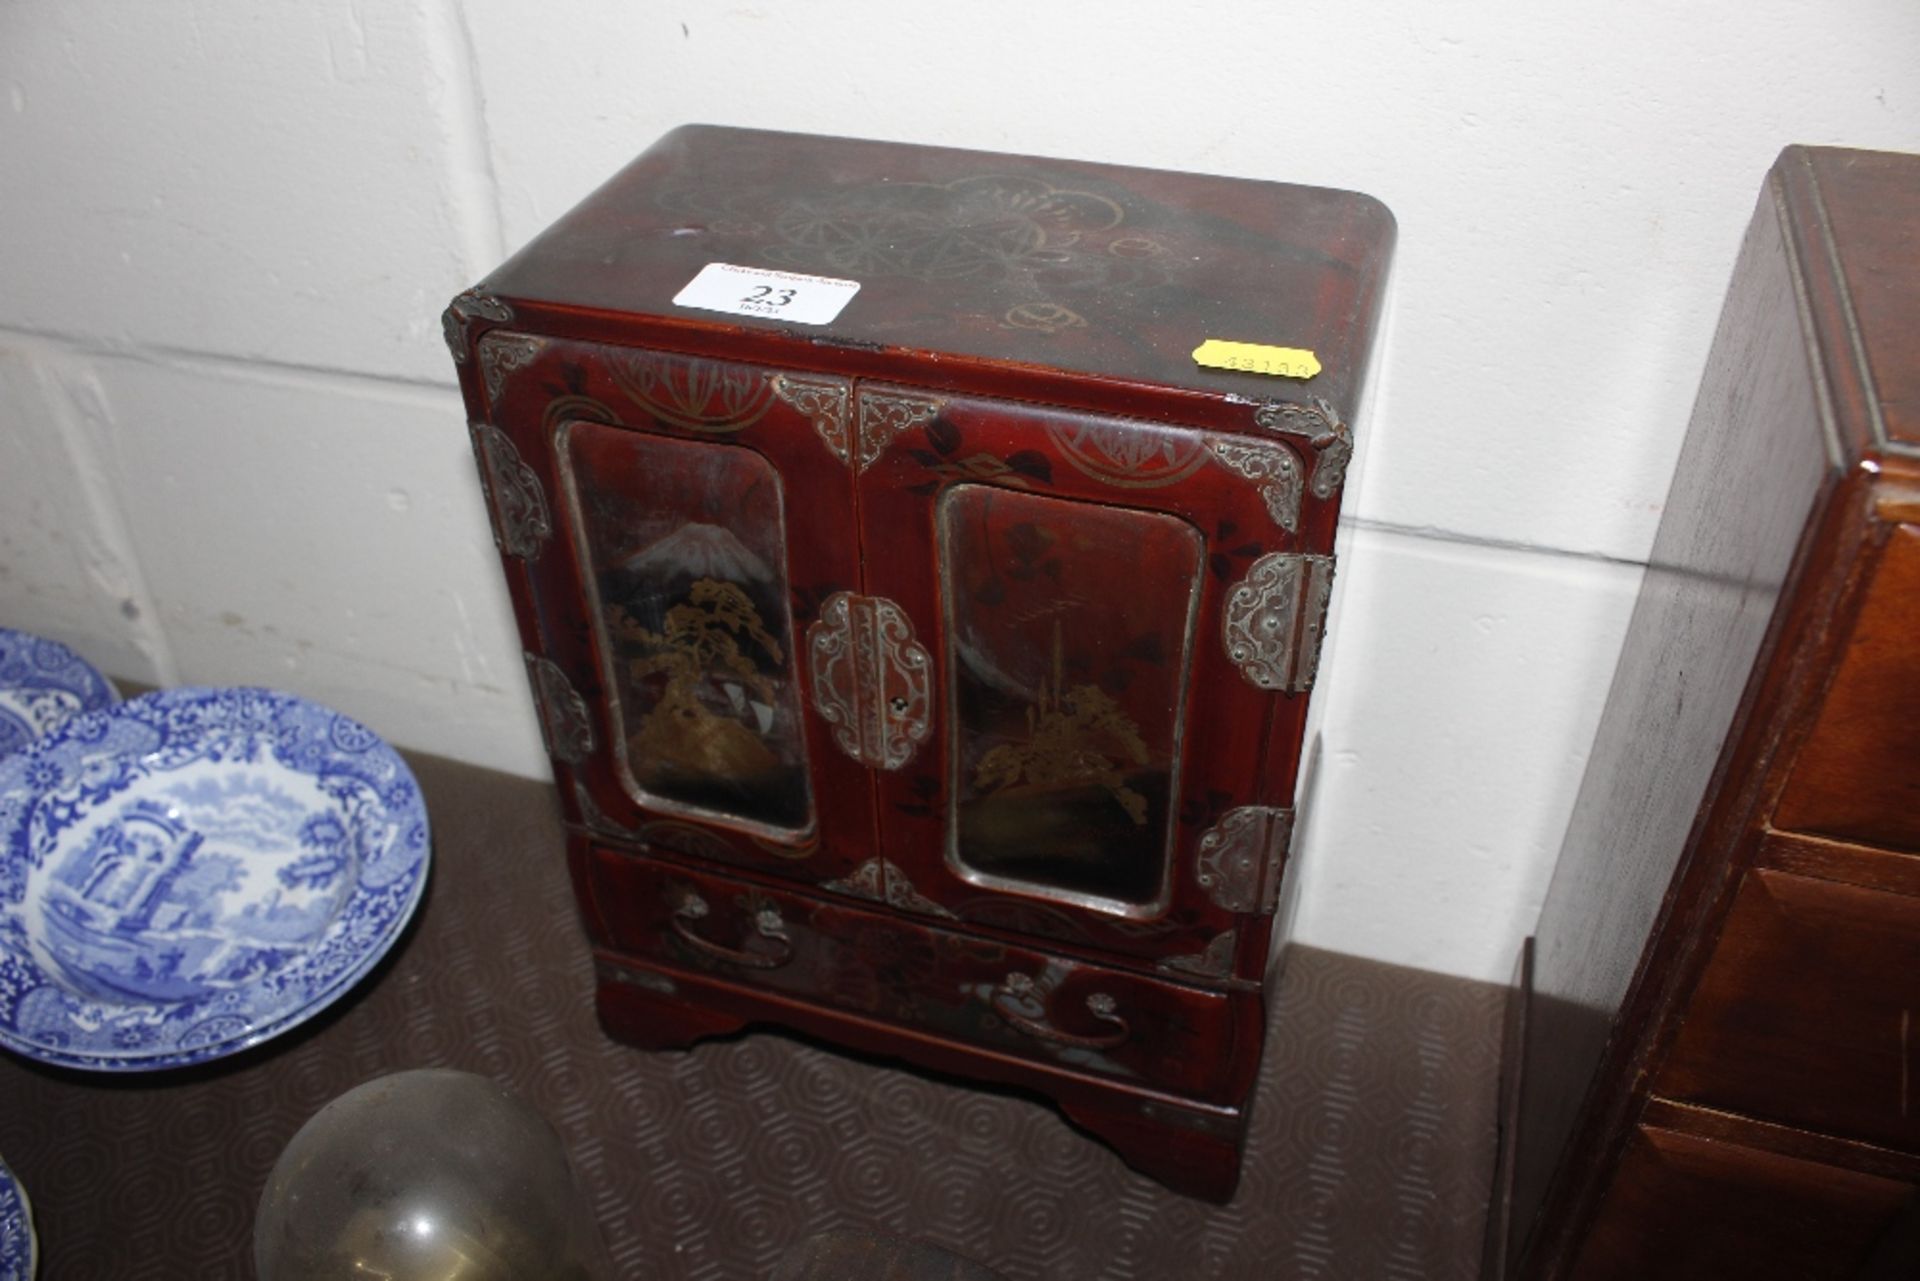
[(669, 523)]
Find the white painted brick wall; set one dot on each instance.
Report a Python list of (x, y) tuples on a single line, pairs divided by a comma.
[(230, 451)]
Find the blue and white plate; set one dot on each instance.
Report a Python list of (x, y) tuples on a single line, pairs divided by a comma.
[(43, 685), (17, 1246), (195, 871)]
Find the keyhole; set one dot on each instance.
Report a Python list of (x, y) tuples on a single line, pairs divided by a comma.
[(897, 703)]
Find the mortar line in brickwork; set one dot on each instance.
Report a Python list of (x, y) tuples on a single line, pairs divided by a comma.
[(57, 344), (290, 373), (1435, 534)]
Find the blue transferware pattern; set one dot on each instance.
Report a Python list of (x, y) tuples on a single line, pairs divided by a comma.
[(195, 871), (17, 1246), (43, 685)]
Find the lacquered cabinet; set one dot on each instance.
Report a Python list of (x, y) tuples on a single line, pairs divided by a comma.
[(932, 679)]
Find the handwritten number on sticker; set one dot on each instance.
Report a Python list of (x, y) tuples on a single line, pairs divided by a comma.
[(790, 297), (763, 296)]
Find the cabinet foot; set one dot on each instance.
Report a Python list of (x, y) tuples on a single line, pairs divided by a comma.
[(1193, 1148), (1191, 1151)]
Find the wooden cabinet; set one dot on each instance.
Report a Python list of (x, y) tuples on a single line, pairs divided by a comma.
[(1700, 1197), (929, 671), (1804, 1013), (1715, 1075), (1858, 777)]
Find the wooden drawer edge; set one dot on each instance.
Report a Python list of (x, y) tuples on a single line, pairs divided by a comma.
[(876, 1036), (1118, 961), (1213, 1057), (1739, 1130), (1825, 859)]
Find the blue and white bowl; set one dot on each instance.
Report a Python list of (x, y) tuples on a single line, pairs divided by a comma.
[(195, 871), (43, 685), (17, 1244)]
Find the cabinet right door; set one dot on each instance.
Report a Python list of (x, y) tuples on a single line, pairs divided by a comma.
[(1089, 625)]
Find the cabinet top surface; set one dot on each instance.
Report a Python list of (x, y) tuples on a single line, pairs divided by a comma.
[(1861, 227), (1096, 270)]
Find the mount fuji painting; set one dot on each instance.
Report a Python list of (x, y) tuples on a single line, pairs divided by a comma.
[(695, 620)]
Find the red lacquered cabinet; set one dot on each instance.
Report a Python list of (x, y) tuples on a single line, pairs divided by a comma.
[(922, 635)]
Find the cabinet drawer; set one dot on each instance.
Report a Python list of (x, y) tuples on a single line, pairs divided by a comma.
[(976, 991), (1858, 776), (1687, 1207), (1807, 1011)]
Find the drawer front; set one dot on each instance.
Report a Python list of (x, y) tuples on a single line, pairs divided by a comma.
[(1858, 776), (1683, 1207), (1807, 1011), (1087, 1018)]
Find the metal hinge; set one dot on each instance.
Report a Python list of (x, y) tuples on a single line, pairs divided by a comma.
[(1274, 619), (1240, 858), (564, 722), (522, 522)]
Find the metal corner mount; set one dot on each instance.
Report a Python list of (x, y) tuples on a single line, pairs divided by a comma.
[(823, 401), (885, 415), (463, 311), (1272, 467), (1274, 619), (1241, 856), (881, 881), (564, 722), (1329, 438), (1215, 962), (594, 818), (500, 355)]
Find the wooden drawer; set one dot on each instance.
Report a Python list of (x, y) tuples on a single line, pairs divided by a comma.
[(1806, 1013), (978, 992), (1686, 1206), (1858, 776)]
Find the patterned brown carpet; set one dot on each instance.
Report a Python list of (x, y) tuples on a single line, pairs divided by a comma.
[(1369, 1159)]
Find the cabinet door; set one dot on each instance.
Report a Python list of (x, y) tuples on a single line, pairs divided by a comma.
[(700, 511), (1089, 763)]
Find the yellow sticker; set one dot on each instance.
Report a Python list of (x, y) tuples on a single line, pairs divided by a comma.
[(1256, 358)]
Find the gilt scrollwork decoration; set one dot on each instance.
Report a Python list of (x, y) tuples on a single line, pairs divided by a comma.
[(711, 397)]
